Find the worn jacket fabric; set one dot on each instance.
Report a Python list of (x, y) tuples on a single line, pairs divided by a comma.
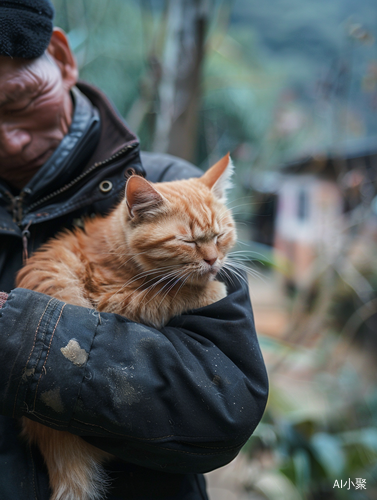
[(169, 404)]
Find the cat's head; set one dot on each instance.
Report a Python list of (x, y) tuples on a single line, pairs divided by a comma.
[(181, 228)]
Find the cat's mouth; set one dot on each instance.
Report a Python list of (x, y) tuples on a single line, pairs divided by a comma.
[(211, 271), (200, 273)]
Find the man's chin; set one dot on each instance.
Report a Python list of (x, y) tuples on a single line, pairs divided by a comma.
[(38, 161), (19, 175)]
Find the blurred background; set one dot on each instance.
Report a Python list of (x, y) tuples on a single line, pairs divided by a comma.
[(289, 87)]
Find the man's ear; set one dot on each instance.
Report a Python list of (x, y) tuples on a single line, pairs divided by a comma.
[(60, 51)]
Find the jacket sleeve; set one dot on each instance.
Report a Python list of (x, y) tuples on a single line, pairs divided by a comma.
[(183, 399)]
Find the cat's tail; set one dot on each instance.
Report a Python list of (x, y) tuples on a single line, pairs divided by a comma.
[(89, 482), (74, 466)]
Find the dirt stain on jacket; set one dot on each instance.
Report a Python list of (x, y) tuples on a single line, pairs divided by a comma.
[(75, 353), (53, 400), (122, 388)]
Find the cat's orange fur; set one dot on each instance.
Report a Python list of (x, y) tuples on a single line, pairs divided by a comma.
[(155, 256)]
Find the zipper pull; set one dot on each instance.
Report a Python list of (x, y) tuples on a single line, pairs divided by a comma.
[(14, 208), (25, 235), (20, 202), (17, 202)]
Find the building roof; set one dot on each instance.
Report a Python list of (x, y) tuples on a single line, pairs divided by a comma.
[(329, 162)]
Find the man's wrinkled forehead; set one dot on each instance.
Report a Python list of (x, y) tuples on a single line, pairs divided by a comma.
[(14, 77), (17, 76)]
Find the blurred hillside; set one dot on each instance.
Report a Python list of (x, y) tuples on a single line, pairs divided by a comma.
[(327, 53)]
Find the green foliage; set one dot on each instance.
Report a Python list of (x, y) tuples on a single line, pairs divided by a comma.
[(312, 457), (318, 428)]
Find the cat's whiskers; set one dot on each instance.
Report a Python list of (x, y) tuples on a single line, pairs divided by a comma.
[(181, 285), (235, 208), (222, 272), (170, 284), (188, 272), (236, 267), (185, 272), (247, 269), (144, 274), (224, 216), (140, 276), (171, 275), (231, 205), (235, 272), (246, 253), (152, 271)]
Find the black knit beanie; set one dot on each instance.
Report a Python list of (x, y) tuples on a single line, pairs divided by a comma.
[(25, 27)]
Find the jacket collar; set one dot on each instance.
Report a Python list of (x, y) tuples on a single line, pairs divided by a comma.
[(115, 134), (72, 153)]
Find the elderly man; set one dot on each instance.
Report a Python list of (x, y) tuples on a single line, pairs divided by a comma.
[(169, 404)]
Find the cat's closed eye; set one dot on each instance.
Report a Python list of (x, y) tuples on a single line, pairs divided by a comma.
[(192, 243)]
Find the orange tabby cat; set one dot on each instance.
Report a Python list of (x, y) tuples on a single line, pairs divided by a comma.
[(155, 256)]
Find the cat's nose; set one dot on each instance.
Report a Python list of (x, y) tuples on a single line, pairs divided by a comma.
[(210, 261)]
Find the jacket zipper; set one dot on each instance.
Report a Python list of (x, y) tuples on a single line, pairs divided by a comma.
[(25, 238), (17, 206), (74, 181), (17, 201)]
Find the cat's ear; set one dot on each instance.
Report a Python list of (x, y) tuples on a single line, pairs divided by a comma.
[(217, 178), (141, 196)]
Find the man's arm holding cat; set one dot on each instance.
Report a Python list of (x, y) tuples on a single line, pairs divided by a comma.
[(184, 399)]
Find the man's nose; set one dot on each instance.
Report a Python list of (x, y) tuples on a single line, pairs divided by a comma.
[(13, 140)]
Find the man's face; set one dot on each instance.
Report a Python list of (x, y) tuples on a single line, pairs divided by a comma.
[(35, 114)]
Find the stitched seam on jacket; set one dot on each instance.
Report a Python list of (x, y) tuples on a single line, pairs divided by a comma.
[(45, 328), (49, 420), (31, 352), (86, 364), (48, 352)]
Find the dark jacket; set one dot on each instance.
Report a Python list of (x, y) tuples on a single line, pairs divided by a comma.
[(170, 404)]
